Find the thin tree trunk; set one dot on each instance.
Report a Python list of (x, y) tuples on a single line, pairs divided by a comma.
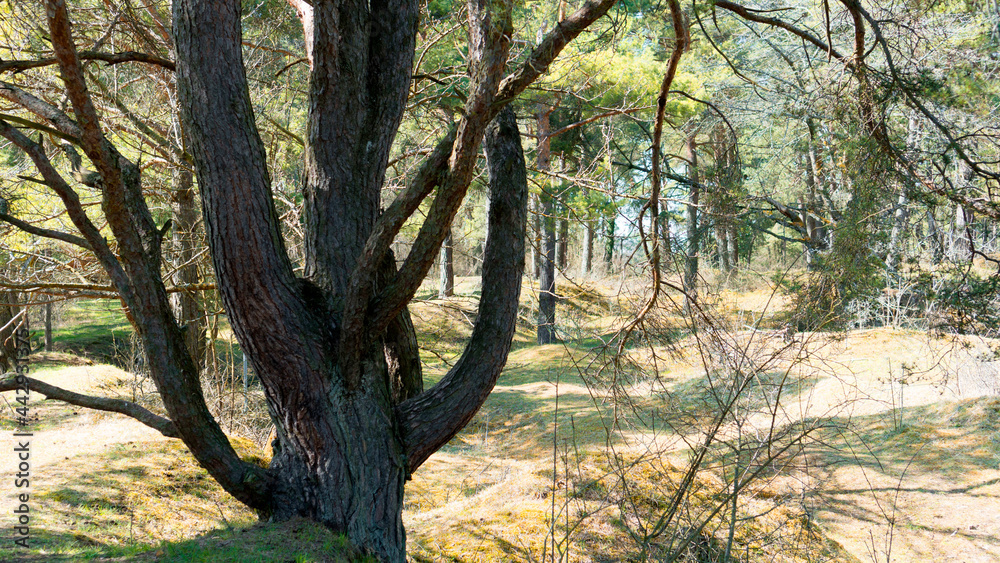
[(722, 246), (665, 236), (48, 327), (536, 237), (734, 250), (961, 235), (547, 270), (901, 214), (186, 304), (547, 279), (692, 234), (562, 249), (587, 248), (447, 286), (609, 244)]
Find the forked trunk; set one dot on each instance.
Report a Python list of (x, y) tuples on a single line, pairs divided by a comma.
[(334, 347), (340, 462)]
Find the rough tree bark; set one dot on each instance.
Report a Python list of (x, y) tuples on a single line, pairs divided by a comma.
[(335, 349), (609, 243), (562, 245)]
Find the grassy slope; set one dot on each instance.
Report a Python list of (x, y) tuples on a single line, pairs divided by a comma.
[(491, 495)]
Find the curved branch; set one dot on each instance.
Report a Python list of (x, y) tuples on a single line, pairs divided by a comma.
[(71, 200), (402, 289), (110, 58), (68, 128), (542, 56), (47, 233), (490, 30), (681, 42), (432, 418), (162, 425), (92, 136), (752, 15)]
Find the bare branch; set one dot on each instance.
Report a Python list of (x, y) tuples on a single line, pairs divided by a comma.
[(47, 233), (43, 287), (94, 143), (27, 123), (162, 425), (752, 15), (42, 109), (110, 58), (71, 200), (542, 56), (681, 42)]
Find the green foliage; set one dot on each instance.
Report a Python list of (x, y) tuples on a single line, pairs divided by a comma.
[(964, 301)]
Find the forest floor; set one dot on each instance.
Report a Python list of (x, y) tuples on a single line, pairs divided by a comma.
[(903, 462)]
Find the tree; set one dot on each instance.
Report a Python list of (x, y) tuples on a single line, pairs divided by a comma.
[(334, 348)]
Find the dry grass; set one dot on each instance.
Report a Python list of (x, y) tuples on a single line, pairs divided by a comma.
[(529, 478)]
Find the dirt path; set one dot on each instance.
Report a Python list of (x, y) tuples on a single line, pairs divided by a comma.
[(917, 476), (66, 432)]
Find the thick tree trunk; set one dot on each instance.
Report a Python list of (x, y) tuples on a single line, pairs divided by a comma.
[(344, 447), (693, 231), (447, 269)]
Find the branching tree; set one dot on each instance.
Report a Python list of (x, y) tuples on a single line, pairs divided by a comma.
[(334, 348)]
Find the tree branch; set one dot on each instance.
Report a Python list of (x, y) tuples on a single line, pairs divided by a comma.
[(749, 14), (71, 200), (110, 58), (42, 109), (41, 287), (156, 422), (432, 418), (681, 42), (92, 136), (489, 44), (47, 233), (542, 56)]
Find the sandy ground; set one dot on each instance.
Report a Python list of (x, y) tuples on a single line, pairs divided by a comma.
[(919, 485), (917, 479), (83, 431)]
